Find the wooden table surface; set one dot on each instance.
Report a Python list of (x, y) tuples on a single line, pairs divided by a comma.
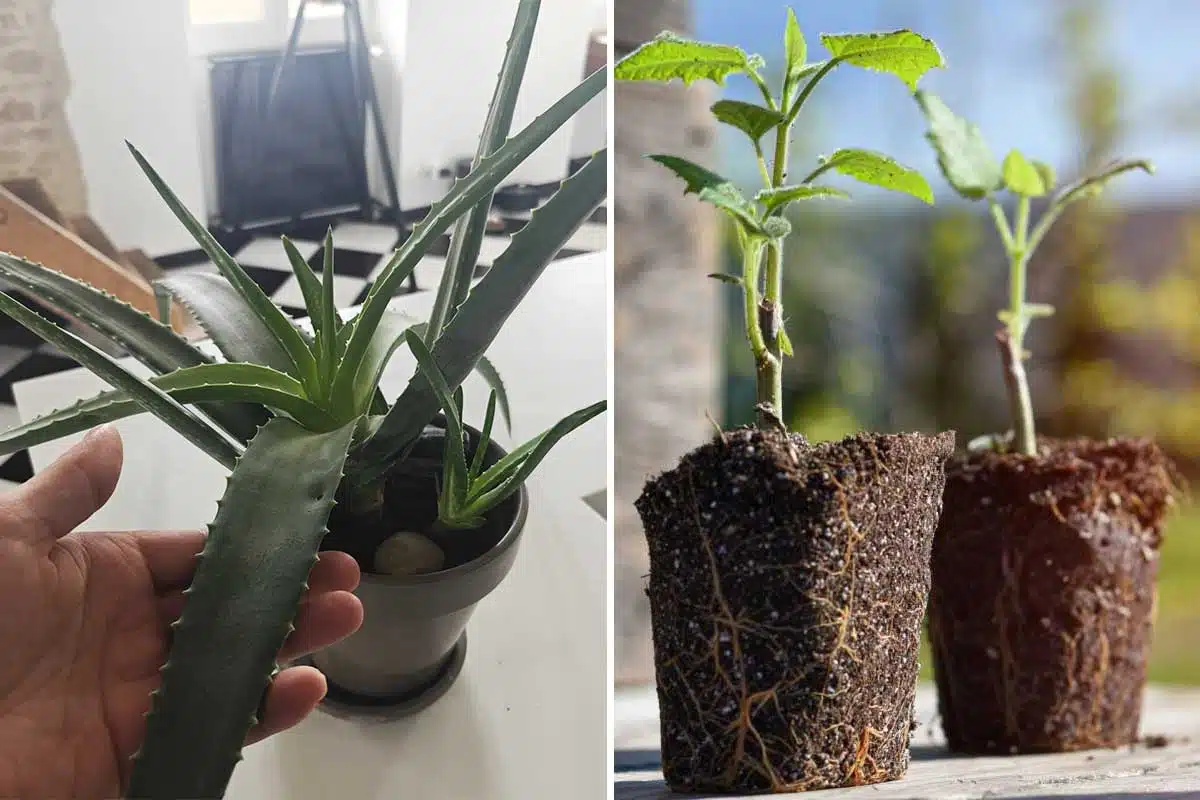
[(1152, 772)]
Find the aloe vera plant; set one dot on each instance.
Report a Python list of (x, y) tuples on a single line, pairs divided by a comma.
[(971, 169), (761, 223), (297, 416)]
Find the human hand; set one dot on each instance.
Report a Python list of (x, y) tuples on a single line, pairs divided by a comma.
[(84, 629)]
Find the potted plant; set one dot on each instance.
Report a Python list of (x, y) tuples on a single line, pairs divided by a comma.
[(297, 417), (1045, 557), (788, 580)]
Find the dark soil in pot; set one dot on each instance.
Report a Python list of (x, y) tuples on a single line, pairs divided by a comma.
[(787, 586), (1043, 594)]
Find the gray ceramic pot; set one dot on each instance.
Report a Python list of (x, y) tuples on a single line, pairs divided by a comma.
[(412, 643)]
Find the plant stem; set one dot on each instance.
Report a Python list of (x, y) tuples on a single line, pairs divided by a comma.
[(768, 317), (1012, 340)]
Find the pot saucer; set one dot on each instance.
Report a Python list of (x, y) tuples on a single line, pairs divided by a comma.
[(346, 704)]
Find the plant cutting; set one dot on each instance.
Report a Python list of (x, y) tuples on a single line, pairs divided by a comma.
[(788, 580), (1046, 554), (318, 458)]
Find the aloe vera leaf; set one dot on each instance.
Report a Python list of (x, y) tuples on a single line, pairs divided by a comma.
[(485, 439), (208, 383), (239, 609), (310, 284), (487, 370), (389, 335), (150, 397), (456, 459), (153, 344), (491, 301), (466, 193), (304, 364), (469, 231)]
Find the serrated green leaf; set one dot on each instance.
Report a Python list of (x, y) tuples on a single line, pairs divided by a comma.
[(1047, 173), (795, 49), (902, 53), (389, 335), (304, 363), (963, 155), (487, 370), (150, 397), (455, 459), (1021, 177), (753, 120), (880, 170), (462, 197), (467, 238), (774, 198), (471, 331), (207, 383), (735, 280), (310, 284), (1091, 185), (669, 56), (713, 189)]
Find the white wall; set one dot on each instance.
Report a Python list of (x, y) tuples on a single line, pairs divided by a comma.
[(130, 78), (453, 56), (591, 123)]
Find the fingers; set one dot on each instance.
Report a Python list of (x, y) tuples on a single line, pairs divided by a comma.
[(293, 695), (69, 491), (171, 559), (325, 619)]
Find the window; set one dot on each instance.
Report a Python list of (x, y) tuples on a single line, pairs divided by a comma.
[(225, 12)]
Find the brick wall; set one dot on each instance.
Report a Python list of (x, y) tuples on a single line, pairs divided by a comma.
[(35, 139)]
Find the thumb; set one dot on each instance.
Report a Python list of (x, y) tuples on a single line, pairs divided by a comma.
[(70, 490)]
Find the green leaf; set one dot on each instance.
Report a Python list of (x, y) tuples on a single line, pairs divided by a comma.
[(208, 383), (1022, 177), (880, 170), (668, 56), (467, 238), (736, 280), (487, 370), (485, 438), (794, 47), (466, 193), (310, 284), (1047, 173), (153, 399), (506, 476), (753, 120), (456, 459), (714, 189), (304, 365), (389, 335), (238, 332), (777, 198), (902, 53), (963, 155), (785, 343), (239, 609), (491, 301), (1093, 184), (330, 322)]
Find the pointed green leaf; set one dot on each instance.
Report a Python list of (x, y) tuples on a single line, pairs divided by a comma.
[(963, 155), (880, 170), (239, 609), (785, 343), (330, 322), (389, 335), (491, 301), (467, 238), (1022, 177), (1047, 173), (794, 47), (775, 198), (754, 120), (714, 189), (153, 399), (1091, 185), (227, 318), (208, 383), (501, 480), (456, 459), (485, 438), (304, 365), (466, 193), (487, 370), (902, 53), (736, 280), (310, 284), (669, 56)]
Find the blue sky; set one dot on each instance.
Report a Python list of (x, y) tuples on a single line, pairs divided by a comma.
[(1002, 73)]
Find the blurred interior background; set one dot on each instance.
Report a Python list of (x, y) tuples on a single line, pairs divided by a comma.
[(891, 304)]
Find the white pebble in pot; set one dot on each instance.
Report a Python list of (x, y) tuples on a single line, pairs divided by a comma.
[(408, 553)]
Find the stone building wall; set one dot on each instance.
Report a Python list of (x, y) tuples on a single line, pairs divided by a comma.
[(35, 137), (667, 356)]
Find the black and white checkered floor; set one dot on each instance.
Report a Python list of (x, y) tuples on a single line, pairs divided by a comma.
[(360, 251)]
